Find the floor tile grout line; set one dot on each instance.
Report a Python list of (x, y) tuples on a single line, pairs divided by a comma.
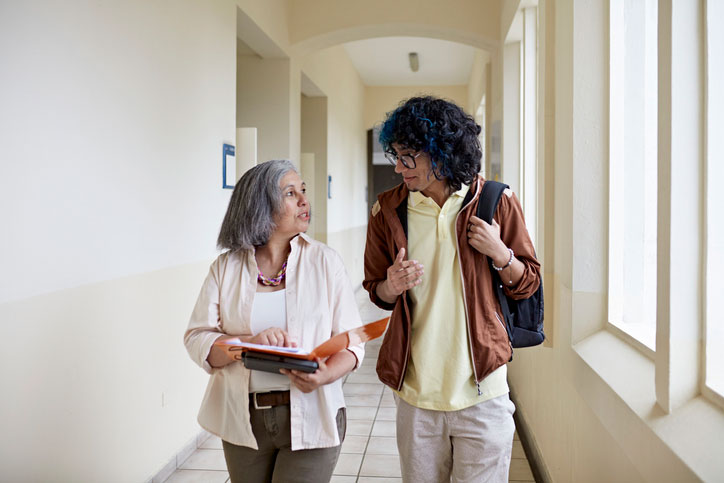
[(369, 436), (364, 455)]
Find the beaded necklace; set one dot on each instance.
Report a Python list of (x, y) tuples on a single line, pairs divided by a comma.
[(274, 281)]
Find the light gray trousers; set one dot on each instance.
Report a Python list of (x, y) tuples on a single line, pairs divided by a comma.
[(470, 445)]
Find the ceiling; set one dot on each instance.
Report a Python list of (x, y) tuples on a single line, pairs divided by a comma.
[(384, 61)]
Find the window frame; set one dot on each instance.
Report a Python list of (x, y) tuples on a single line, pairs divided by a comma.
[(713, 149), (642, 336)]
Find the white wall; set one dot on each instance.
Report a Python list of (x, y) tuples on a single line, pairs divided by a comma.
[(314, 140), (477, 81), (100, 139), (263, 101), (111, 130), (379, 100), (510, 164), (332, 71)]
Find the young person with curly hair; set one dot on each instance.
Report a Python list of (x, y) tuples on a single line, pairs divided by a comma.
[(446, 347)]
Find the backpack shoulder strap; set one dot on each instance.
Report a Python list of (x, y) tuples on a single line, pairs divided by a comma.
[(489, 198)]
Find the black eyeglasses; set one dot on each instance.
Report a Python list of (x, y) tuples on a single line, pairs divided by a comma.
[(408, 160)]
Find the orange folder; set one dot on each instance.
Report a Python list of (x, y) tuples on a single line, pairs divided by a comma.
[(328, 348)]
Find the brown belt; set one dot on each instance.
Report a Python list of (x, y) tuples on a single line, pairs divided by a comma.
[(266, 400)]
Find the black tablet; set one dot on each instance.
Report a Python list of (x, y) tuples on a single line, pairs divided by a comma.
[(258, 361)]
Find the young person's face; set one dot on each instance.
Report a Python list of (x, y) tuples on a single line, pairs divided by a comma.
[(294, 217), (419, 178)]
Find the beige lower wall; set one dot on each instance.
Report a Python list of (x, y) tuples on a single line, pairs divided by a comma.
[(97, 385), (571, 425), (587, 428)]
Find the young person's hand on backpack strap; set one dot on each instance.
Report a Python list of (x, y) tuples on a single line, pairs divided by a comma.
[(485, 238)]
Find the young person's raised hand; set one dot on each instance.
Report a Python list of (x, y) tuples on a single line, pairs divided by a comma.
[(401, 275)]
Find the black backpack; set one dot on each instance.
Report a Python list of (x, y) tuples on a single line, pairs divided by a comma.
[(523, 318)]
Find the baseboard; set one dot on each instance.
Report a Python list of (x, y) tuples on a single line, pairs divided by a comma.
[(530, 446), (178, 459)]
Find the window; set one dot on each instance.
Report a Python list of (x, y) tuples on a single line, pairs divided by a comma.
[(633, 169), (529, 122), (480, 119), (714, 199)]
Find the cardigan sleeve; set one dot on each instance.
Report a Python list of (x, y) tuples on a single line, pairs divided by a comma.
[(345, 314), (204, 325)]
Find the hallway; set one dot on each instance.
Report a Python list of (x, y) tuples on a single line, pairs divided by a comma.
[(369, 452), (118, 121)]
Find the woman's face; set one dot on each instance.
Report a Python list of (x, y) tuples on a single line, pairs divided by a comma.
[(294, 216)]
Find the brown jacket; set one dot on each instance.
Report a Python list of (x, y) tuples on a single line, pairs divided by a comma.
[(386, 234)]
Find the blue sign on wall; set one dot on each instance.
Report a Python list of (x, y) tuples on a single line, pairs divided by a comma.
[(228, 169)]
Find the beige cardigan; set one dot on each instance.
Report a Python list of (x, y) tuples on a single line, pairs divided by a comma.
[(320, 303)]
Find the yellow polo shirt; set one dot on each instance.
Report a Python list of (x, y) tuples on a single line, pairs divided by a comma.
[(440, 372)]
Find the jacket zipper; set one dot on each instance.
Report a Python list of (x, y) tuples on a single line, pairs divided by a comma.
[(409, 342), (510, 343), (465, 301), (409, 332)]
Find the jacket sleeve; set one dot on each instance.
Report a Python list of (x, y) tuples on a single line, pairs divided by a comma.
[(204, 326), (345, 314), (377, 257), (514, 234)]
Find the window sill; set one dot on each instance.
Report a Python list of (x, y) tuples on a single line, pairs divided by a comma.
[(617, 381), (621, 333), (640, 336), (714, 396)]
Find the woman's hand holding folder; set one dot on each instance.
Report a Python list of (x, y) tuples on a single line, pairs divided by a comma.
[(234, 346), (222, 352), (328, 371)]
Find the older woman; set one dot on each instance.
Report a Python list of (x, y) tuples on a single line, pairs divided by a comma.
[(274, 285)]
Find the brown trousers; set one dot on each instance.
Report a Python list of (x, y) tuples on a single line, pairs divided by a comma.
[(275, 461)]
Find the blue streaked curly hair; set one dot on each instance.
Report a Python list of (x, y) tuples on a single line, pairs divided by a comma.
[(441, 129)]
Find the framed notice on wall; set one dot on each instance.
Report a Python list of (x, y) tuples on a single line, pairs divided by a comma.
[(228, 167)]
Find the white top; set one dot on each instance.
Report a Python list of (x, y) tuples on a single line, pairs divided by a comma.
[(267, 311), (319, 303)]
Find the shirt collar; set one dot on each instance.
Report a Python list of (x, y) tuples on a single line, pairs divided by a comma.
[(416, 197), (302, 236), (294, 242)]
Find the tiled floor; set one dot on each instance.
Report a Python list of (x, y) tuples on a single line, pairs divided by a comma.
[(369, 452)]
